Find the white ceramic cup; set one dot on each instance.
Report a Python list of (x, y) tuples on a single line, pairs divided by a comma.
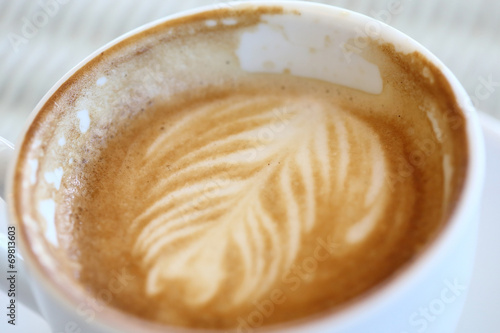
[(427, 296)]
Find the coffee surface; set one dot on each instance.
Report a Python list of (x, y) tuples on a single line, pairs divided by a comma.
[(222, 193)]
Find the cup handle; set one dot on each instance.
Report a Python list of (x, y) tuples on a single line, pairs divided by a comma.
[(8, 239)]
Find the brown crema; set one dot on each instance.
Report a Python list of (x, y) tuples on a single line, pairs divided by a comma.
[(222, 193)]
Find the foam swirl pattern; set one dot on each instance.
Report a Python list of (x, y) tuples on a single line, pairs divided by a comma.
[(214, 190), (253, 185)]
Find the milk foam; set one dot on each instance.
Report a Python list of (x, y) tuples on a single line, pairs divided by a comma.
[(279, 44), (215, 183), (197, 213), (47, 209)]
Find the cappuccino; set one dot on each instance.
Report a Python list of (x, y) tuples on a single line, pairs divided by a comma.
[(224, 192)]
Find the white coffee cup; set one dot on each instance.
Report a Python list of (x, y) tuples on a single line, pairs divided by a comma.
[(428, 295)]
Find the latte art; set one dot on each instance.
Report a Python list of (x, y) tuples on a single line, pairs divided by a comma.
[(257, 173), (212, 188)]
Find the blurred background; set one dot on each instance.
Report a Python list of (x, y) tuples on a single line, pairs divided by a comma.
[(41, 40)]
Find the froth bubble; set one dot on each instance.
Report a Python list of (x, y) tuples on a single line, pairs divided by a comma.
[(210, 23), (54, 177), (229, 21), (101, 81), (48, 210), (34, 168), (84, 118)]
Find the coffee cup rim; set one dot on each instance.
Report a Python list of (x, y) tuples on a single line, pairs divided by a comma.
[(368, 302)]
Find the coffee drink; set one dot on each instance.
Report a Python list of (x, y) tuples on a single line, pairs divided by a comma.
[(180, 188)]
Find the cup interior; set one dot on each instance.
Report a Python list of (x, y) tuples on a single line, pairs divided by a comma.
[(301, 39)]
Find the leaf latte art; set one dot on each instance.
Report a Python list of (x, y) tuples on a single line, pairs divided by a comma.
[(245, 182), (185, 188)]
